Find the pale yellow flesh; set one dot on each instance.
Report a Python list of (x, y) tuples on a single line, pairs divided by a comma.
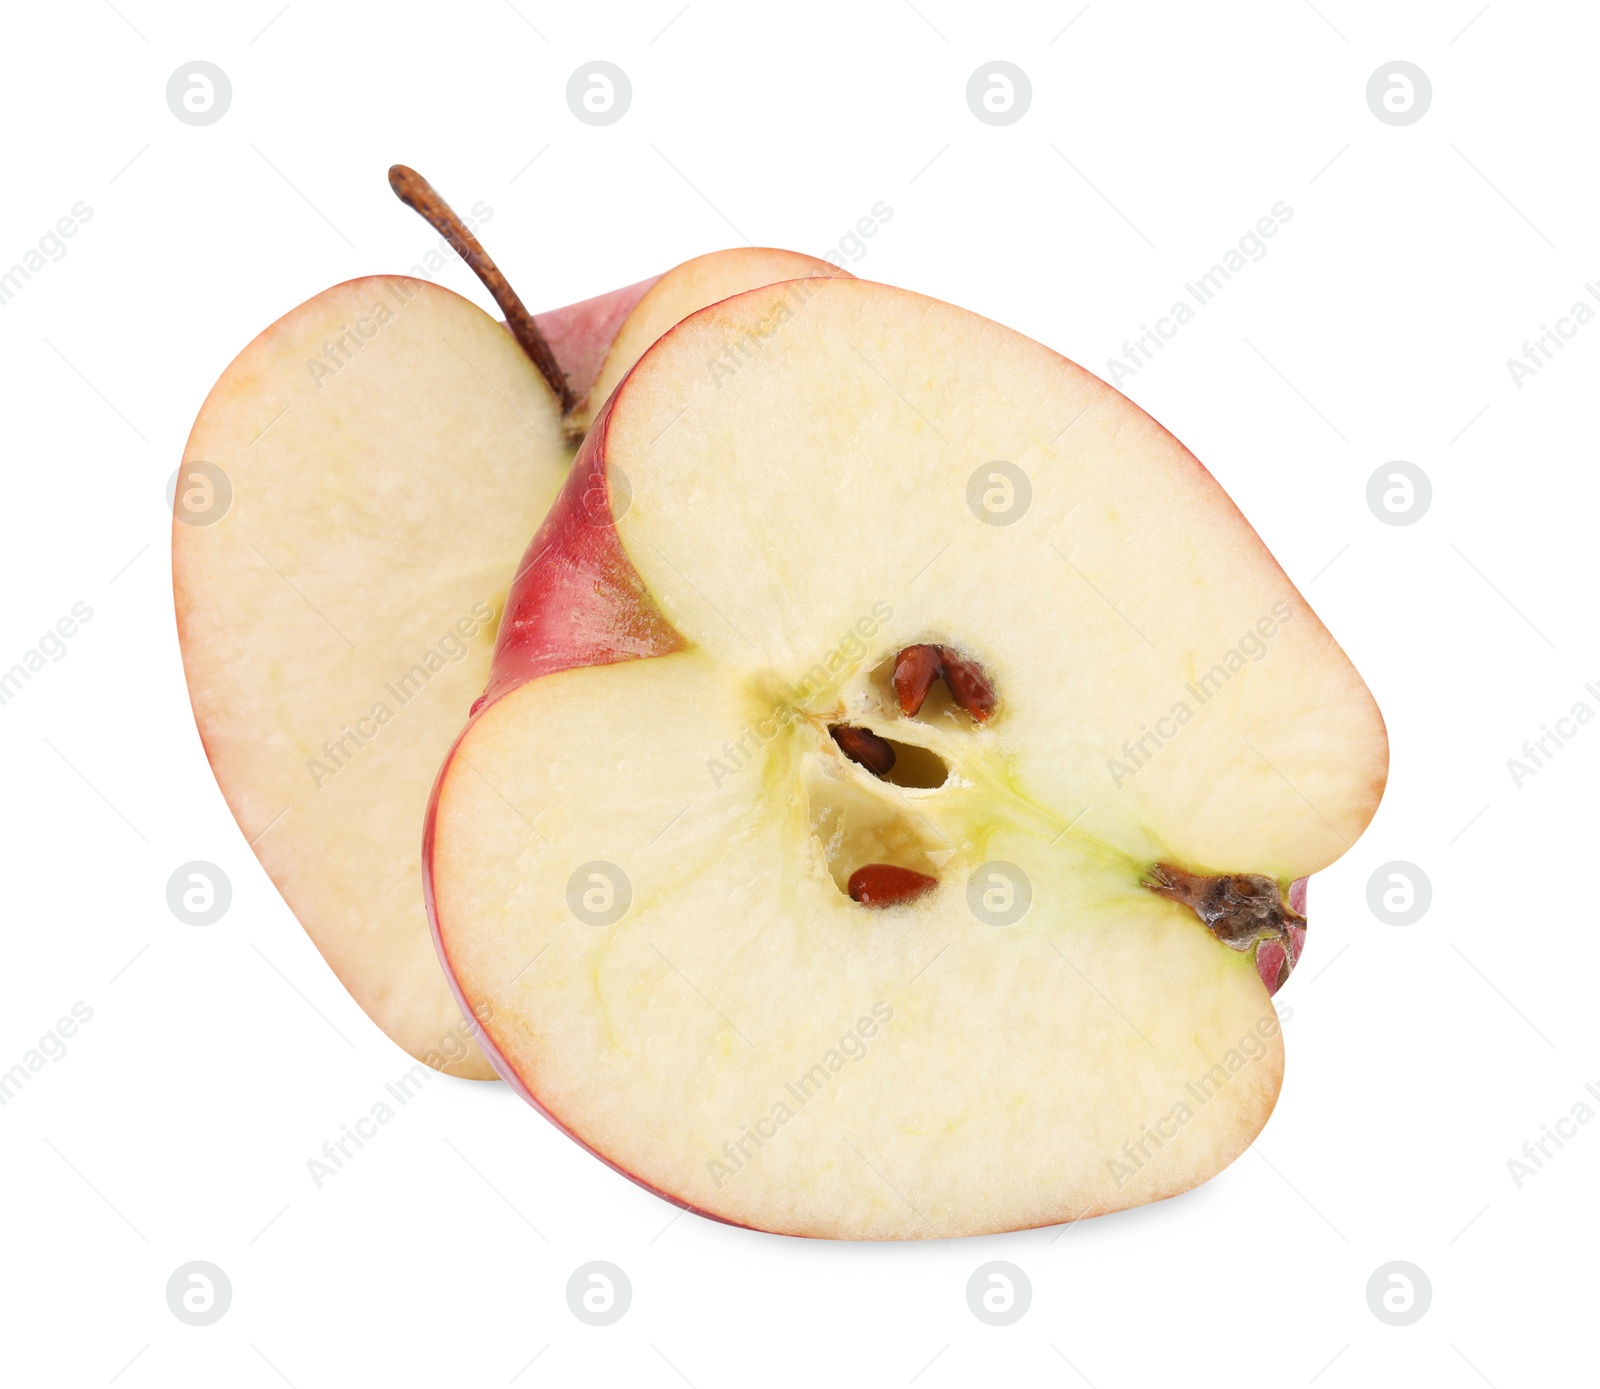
[(808, 513), (1005, 1069), (842, 454), (391, 451)]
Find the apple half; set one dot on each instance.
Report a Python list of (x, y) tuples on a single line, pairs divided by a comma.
[(388, 447), (836, 860)]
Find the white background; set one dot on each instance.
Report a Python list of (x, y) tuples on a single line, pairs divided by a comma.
[(1418, 259)]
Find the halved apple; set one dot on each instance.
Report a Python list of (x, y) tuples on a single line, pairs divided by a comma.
[(389, 447), (899, 758)]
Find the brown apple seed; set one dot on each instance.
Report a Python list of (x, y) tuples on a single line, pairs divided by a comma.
[(917, 667), (915, 670), (887, 885), (967, 683), (864, 747)]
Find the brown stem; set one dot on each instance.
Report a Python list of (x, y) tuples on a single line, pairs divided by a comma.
[(416, 192)]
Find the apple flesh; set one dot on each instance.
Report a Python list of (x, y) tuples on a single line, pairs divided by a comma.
[(389, 448), (337, 617), (639, 853)]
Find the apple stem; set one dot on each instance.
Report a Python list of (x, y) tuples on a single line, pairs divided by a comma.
[(417, 193)]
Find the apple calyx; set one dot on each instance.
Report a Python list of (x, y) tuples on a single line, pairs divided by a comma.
[(1245, 911), (420, 195), (917, 667)]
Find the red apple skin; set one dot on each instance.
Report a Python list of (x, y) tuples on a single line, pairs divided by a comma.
[(577, 600), (581, 334), (1270, 953), (1297, 895)]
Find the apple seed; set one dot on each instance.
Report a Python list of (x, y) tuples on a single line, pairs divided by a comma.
[(886, 885), (915, 670), (917, 667), (968, 684), (864, 747)]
